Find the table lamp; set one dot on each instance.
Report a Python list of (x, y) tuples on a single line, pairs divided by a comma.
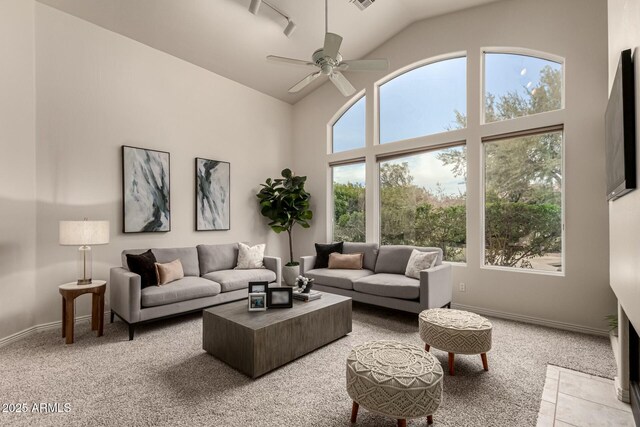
[(83, 234)]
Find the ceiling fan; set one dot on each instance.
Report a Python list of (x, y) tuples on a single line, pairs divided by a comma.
[(330, 62)]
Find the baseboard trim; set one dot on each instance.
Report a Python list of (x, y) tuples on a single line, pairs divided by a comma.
[(533, 320), (41, 327)]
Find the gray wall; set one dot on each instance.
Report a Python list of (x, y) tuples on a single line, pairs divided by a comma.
[(573, 29), (17, 167), (624, 33)]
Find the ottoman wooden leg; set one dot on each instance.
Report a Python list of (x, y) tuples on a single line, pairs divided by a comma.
[(452, 371), (402, 423), (354, 412), (429, 419), (427, 347), (485, 363)]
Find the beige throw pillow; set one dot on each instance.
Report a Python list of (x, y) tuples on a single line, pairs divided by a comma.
[(346, 261), (419, 261), (250, 256), (169, 272)]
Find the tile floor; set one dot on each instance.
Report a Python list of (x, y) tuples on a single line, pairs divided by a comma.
[(572, 398)]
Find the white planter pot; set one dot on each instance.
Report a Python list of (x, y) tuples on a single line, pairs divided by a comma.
[(290, 273)]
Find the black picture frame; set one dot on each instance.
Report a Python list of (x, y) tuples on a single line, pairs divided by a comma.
[(164, 206), (279, 302), (209, 224), (258, 287)]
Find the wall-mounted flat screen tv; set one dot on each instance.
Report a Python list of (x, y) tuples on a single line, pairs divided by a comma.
[(620, 129)]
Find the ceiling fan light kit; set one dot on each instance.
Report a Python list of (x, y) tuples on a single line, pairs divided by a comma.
[(254, 7), (329, 60)]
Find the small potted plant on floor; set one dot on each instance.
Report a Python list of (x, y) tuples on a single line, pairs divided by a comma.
[(286, 203)]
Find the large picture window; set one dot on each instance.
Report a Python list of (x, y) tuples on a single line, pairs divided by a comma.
[(423, 201), (523, 201), (349, 202), (349, 129), (424, 101)]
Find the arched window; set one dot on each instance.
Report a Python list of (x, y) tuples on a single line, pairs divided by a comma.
[(348, 132), (424, 101)]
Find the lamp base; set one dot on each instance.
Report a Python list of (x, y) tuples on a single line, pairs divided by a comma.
[(84, 282)]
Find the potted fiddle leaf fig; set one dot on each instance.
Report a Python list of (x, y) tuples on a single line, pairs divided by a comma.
[(285, 203)]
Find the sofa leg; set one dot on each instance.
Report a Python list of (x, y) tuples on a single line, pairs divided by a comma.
[(111, 316), (131, 330), (429, 419)]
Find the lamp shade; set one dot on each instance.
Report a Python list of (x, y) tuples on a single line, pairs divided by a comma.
[(84, 232)]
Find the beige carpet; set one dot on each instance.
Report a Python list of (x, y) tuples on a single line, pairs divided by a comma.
[(164, 378)]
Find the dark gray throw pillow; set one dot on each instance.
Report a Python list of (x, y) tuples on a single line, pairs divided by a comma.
[(144, 265), (323, 252)]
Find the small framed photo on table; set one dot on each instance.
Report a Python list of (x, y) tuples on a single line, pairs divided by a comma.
[(258, 287), (280, 297), (258, 301)]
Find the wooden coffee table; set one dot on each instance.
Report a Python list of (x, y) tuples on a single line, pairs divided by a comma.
[(260, 341)]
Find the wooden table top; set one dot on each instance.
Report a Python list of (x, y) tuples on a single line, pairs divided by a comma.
[(238, 312)]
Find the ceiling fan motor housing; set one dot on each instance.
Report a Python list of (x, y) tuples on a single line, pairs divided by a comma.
[(324, 62)]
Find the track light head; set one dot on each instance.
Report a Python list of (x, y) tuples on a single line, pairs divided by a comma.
[(290, 28), (255, 6)]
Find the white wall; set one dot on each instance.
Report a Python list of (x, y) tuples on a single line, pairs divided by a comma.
[(573, 29), (17, 166), (624, 33), (97, 90)]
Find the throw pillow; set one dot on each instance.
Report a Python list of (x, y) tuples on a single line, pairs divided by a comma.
[(250, 256), (346, 261), (323, 252), (144, 265), (419, 261), (169, 272)]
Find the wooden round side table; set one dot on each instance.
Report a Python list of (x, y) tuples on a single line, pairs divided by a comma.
[(70, 291)]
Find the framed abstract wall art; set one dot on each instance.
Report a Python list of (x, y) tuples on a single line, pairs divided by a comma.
[(145, 190), (213, 181)]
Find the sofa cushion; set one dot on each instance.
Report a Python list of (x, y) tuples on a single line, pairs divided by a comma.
[(187, 256), (337, 278), (217, 257), (345, 261), (230, 280), (370, 251), (144, 266), (394, 258), (184, 289), (323, 251), (169, 272), (389, 285)]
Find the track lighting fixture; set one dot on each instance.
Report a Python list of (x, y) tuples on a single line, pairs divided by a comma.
[(254, 7)]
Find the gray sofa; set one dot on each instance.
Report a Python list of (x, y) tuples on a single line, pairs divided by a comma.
[(210, 279), (382, 281)]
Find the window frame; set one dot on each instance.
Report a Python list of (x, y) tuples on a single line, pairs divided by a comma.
[(521, 52), (331, 202), (393, 155), (338, 115), (407, 69), (483, 159), (473, 136)]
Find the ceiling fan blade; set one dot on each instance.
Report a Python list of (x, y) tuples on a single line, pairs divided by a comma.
[(332, 44), (304, 82), (342, 83), (364, 65), (282, 59)]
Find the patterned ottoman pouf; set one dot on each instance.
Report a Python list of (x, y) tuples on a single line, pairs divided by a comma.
[(456, 331), (394, 379)]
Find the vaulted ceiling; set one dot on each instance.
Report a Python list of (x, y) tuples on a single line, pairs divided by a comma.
[(223, 37)]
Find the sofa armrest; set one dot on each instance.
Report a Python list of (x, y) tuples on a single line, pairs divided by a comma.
[(125, 288), (436, 288), (307, 263), (274, 264)]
